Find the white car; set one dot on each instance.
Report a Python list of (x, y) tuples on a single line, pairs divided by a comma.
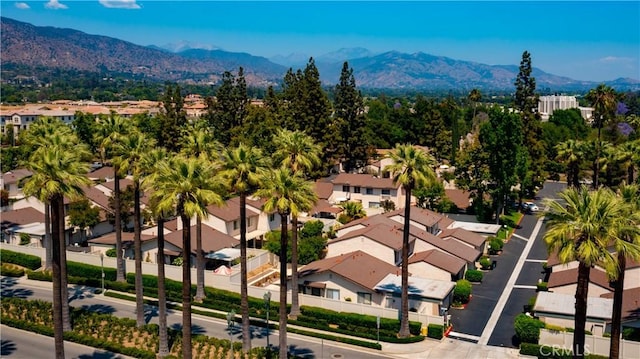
[(530, 206)]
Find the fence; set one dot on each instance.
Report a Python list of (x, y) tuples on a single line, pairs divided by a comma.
[(593, 344), (232, 282)]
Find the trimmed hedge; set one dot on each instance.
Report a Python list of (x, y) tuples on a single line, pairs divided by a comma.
[(25, 260), (545, 351), (496, 245), (541, 287), (527, 329), (334, 338), (485, 262), (473, 275), (435, 331), (11, 270), (462, 291), (76, 269)]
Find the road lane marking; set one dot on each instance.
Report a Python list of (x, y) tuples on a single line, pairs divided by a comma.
[(536, 260), (519, 236), (521, 286), (464, 336), (495, 315)]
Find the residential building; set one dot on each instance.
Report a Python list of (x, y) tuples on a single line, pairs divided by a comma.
[(364, 188)]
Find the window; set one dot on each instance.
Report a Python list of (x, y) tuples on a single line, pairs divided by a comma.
[(235, 225), (248, 221), (316, 292), (345, 188), (369, 190), (333, 294), (364, 298), (356, 189), (272, 217), (386, 192)]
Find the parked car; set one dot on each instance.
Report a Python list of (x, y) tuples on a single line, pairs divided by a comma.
[(530, 207)]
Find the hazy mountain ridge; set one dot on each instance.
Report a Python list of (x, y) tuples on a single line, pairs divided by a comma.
[(25, 44)]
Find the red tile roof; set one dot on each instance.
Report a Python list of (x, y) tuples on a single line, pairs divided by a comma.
[(364, 180), (231, 211), (459, 197), (15, 175), (570, 276), (358, 267), (630, 303), (127, 238), (389, 236), (212, 240), (22, 216), (323, 189), (469, 237), (439, 259)]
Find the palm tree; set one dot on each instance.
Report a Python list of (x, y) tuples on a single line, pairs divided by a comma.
[(352, 211), (110, 130), (288, 194), (56, 133), (570, 153), (132, 148), (474, 96), (242, 168), (629, 153), (184, 185), (603, 100), (580, 230), (57, 173), (297, 151), (411, 168), (150, 163), (199, 142), (627, 247)]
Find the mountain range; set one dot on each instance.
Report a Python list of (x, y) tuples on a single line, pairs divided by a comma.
[(34, 46)]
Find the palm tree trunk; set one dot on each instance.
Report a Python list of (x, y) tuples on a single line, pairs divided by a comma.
[(186, 283), (283, 287), (630, 173), (404, 306), (295, 305), (116, 202), (137, 248), (200, 295), (244, 299), (47, 236), (58, 332), (616, 317), (64, 282), (163, 350), (596, 165), (580, 320)]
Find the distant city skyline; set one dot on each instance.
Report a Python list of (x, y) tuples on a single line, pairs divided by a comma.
[(583, 40)]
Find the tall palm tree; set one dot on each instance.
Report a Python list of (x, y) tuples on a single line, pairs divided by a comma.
[(57, 134), (297, 151), (603, 100), (110, 131), (132, 149), (242, 169), (288, 194), (150, 163), (570, 152), (474, 96), (57, 173), (199, 142), (580, 229), (629, 154), (410, 168), (627, 246), (184, 185)]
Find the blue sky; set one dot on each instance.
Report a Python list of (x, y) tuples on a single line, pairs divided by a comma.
[(584, 40)]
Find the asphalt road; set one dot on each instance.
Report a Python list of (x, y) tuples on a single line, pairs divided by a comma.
[(473, 319), (20, 344), (81, 296)]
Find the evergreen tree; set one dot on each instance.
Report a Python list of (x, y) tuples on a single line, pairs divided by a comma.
[(526, 102), (349, 113), (227, 112), (172, 118)]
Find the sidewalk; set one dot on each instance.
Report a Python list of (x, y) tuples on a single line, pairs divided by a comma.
[(429, 348)]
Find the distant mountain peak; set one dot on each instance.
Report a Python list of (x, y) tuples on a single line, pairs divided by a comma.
[(184, 45)]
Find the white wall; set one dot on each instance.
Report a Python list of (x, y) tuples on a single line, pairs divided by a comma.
[(593, 344), (594, 290)]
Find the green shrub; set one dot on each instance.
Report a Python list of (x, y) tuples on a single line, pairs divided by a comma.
[(555, 328), (90, 271), (111, 252), (43, 276), (485, 262), (508, 221), (435, 331), (496, 245), (25, 260), (25, 239), (632, 334), (473, 275), (462, 291), (530, 349), (527, 329), (11, 270), (541, 287)]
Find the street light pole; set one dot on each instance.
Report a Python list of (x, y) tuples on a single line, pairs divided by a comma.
[(267, 304), (102, 271)]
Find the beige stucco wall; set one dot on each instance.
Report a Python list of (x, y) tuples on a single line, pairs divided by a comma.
[(426, 270), (365, 244), (594, 290)]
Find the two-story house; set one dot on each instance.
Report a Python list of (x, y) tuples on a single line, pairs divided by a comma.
[(364, 188)]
